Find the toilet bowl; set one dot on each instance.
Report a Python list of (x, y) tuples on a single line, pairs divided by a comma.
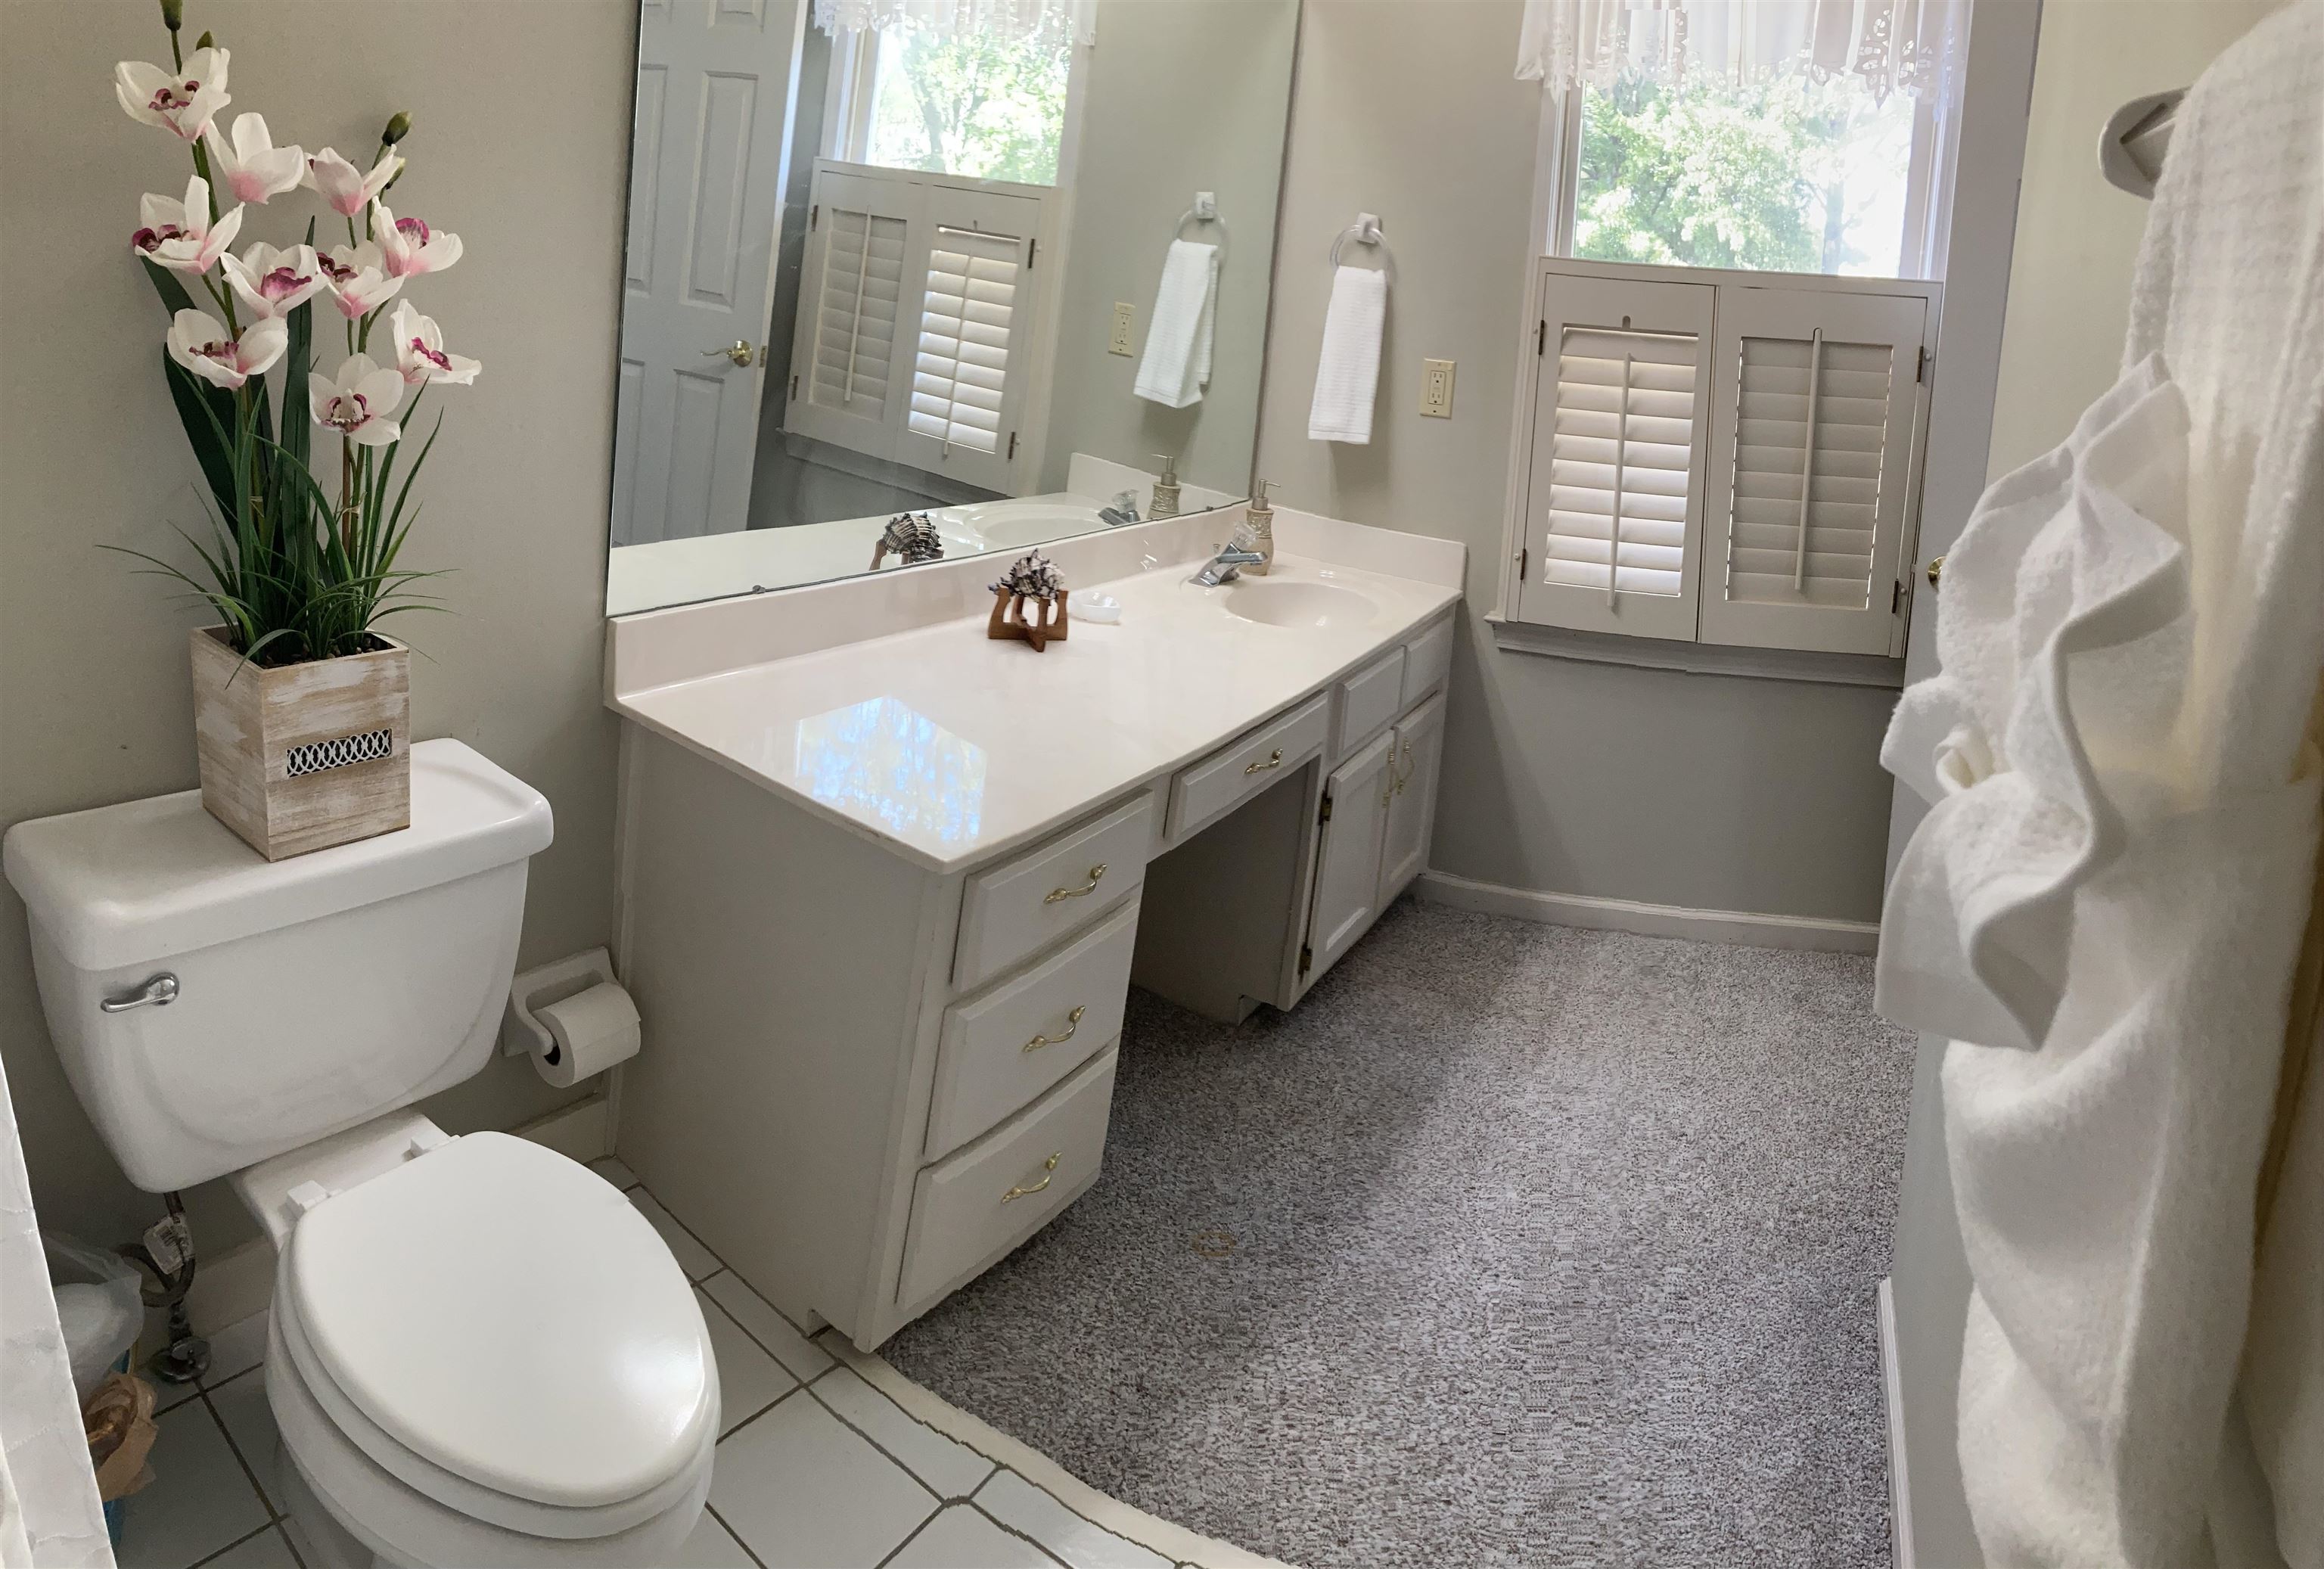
[(481, 1354)]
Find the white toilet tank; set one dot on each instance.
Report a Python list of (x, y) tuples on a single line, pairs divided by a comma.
[(311, 994)]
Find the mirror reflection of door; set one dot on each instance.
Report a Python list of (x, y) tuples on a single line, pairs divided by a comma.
[(706, 186)]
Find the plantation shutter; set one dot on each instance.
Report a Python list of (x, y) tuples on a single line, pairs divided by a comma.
[(1816, 417), (969, 349), (854, 313), (1615, 495)]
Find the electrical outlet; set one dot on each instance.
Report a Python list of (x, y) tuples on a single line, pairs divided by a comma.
[(1436, 389), (1125, 317)]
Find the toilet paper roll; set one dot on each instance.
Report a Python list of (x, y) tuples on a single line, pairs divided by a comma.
[(588, 1032)]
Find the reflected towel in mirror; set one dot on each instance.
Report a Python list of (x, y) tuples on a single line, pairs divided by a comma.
[(1177, 363), (1347, 376)]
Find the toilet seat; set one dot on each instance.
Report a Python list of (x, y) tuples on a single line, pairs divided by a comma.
[(499, 1332), (378, 1519)]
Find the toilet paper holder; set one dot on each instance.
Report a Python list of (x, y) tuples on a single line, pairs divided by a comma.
[(524, 1035)]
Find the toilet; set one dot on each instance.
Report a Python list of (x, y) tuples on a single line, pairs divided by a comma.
[(480, 1352)]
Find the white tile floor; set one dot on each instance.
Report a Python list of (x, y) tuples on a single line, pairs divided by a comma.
[(816, 1468)]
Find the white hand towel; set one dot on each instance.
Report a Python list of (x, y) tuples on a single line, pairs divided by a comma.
[(1177, 363), (1347, 376)]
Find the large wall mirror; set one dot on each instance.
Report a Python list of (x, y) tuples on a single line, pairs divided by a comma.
[(917, 276)]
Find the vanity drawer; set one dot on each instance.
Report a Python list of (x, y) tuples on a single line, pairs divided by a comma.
[(972, 1208), (1001, 1051), (1428, 659), (1243, 768), (1369, 698), (1010, 910)]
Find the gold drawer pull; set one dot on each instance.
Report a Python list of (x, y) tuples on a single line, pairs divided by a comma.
[(1049, 1166), (1936, 569), (1056, 894), (1072, 1028), (1273, 760)]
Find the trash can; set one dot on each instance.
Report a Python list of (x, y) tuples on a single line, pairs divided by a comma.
[(100, 1311)]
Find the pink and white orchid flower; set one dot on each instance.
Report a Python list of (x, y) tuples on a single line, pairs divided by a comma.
[(180, 236), (199, 342), (274, 283), (358, 403), (409, 246), (419, 350), (253, 167), (347, 188), (359, 281), (183, 101)]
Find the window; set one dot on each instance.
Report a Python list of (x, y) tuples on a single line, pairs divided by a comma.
[(974, 106), (1720, 459), (914, 313), (1788, 174)]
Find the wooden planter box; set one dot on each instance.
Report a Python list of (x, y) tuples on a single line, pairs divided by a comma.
[(302, 757)]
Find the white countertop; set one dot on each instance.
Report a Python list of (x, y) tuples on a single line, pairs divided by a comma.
[(950, 747)]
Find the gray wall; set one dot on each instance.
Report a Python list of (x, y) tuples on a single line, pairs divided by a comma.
[(1183, 96), (1708, 791), (520, 141)]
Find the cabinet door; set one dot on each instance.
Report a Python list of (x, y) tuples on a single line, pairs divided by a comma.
[(1348, 855), (1411, 795)]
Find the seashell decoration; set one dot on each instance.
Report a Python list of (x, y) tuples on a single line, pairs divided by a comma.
[(1029, 602), (1031, 576), (912, 538)]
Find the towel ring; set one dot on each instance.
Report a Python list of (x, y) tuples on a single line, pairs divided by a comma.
[(1366, 231), (1205, 210)]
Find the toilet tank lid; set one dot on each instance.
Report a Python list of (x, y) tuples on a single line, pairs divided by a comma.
[(143, 881)]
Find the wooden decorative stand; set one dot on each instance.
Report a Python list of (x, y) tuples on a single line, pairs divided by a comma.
[(1015, 616)]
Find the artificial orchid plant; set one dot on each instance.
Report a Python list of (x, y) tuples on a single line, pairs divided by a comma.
[(296, 574)]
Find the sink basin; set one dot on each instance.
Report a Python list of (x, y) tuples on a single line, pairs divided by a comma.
[(1277, 604)]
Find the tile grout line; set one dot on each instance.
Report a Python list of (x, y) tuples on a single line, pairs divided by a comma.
[(882, 1449), (733, 1535), (1038, 1544), (249, 1472), (798, 1383), (240, 1541), (910, 1537), (759, 1415)]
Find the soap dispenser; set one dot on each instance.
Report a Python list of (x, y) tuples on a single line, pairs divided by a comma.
[(1166, 490), (1257, 533)]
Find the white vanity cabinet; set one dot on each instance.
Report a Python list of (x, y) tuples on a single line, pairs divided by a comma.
[(882, 901)]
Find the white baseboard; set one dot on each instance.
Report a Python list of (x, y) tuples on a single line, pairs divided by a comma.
[(1892, 1385), (232, 1286), (1739, 927)]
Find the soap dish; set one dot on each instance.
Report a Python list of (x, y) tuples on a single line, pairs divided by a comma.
[(1103, 609)]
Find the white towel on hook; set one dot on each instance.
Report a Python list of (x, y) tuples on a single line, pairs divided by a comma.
[(1347, 374), (1177, 363)]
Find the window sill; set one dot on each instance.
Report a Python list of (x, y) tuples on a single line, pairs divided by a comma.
[(1525, 637)]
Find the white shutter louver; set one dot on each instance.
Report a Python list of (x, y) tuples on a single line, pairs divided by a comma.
[(1621, 461), (856, 311), (1815, 422), (1615, 492), (966, 330)]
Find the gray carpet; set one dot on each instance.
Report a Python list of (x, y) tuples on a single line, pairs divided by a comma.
[(1550, 1248)]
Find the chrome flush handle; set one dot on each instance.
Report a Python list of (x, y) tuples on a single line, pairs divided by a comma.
[(159, 992)]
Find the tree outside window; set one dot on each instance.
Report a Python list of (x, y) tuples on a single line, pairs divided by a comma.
[(1784, 175), (986, 108)]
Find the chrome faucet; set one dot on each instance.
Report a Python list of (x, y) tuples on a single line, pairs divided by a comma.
[(1122, 513), (1225, 567)]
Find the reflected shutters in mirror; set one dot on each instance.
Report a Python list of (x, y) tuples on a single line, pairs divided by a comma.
[(918, 215)]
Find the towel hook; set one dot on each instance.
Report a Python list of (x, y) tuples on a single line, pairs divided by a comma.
[(1205, 210), (1366, 231)]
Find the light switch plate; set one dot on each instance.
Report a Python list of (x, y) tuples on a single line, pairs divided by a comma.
[(1436, 389), (1124, 320)]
